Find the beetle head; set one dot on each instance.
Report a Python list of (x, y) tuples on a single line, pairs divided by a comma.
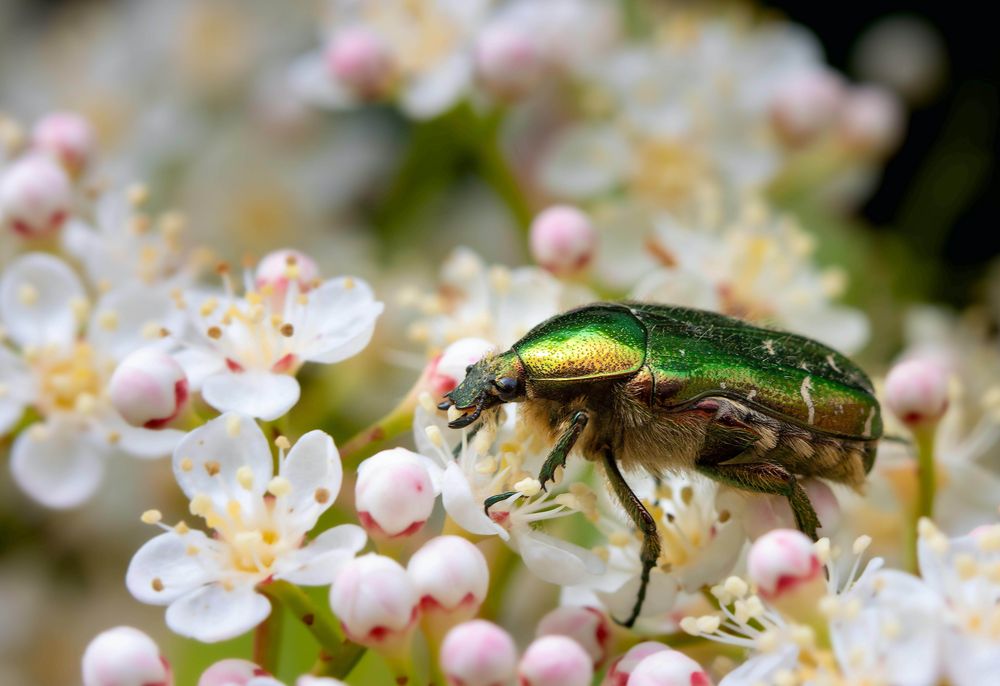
[(494, 380)]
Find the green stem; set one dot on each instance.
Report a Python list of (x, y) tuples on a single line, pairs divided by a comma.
[(379, 434), (267, 639), (926, 488), (494, 169), (338, 655)]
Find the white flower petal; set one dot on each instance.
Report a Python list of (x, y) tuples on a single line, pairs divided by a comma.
[(36, 301), (462, 505), (319, 561), (199, 364), (843, 328), (762, 668), (175, 563), (15, 389), (660, 596), (121, 317), (437, 89), (555, 560), (586, 160), (339, 321), (258, 394), (312, 464), (56, 464), (311, 81), (147, 444), (213, 614), (208, 459)]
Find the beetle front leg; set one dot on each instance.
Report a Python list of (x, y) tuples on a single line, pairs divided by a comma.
[(643, 521), (557, 458)]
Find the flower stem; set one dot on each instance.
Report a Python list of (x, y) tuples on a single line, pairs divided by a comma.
[(495, 170), (267, 639), (380, 433), (926, 489), (338, 655)]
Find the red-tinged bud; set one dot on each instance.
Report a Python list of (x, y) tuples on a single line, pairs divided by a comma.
[(66, 136), (563, 239), (231, 672), (35, 197), (916, 391), (478, 653), (669, 668), (622, 668), (376, 602), (149, 388), (871, 120), (508, 62), (124, 656), (590, 627), (555, 661), (806, 104), (394, 494), (362, 61)]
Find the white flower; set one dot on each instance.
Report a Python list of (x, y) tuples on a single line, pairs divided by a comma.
[(494, 462), (429, 45), (880, 626), (59, 460), (964, 572), (242, 352), (494, 303), (700, 543), (259, 523)]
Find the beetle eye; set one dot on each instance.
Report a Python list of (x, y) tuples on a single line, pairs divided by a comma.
[(506, 385)]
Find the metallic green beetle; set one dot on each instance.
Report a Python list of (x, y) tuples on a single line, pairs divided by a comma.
[(665, 388)]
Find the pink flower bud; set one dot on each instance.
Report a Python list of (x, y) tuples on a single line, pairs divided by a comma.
[(805, 104), (124, 656), (231, 672), (281, 268), (478, 653), (668, 668), (782, 561), (375, 601), (362, 61), (149, 388), (916, 391), (394, 494), (588, 626), (562, 239), (307, 680), (555, 661), (871, 120), (508, 61), (768, 512), (450, 576), (66, 136), (620, 670), (449, 368), (35, 196)]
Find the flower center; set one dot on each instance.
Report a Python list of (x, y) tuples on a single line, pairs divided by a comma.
[(67, 382), (254, 540)]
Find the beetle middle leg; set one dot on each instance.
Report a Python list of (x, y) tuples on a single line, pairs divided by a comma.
[(557, 458), (644, 521)]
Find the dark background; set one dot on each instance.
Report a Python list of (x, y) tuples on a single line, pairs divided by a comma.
[(939, 191)]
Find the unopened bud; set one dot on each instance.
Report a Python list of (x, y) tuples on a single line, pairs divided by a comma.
[(871, 120), (394, 494), (375, 601), (450, 575), (478, 653), (279, 269), (805, 104), (563, 239), (449, 368), (588, 626), (35, 196), (124, 656), (362, 61), (555, 661), (669, 668), (149, 388), (620, 670), (231, 672), (788, 573), (508, 61), (916, 391), (66, 136)]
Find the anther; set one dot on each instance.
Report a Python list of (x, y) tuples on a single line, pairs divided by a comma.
[(151, 517)]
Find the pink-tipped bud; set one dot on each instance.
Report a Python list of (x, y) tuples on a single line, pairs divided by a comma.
[(35, 196), (478, 653), (563, 240), (231, 672), (805, 104), (916, 391), (782, 562), (451, 577), (871, 120), (375, 601), (622, 668), (448, 369), (124, 656), (588, 626), (362, 61), (66, 136), (279, 269), (555, 661), (509, 63), (768, 512), (669, 668), (149, 388), (308, 680), (394, 494)]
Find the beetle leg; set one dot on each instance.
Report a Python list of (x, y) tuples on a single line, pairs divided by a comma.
[(557, 458), (494, 499), (644, 521)]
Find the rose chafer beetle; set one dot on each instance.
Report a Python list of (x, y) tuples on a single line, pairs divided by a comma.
[(662, 388)]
